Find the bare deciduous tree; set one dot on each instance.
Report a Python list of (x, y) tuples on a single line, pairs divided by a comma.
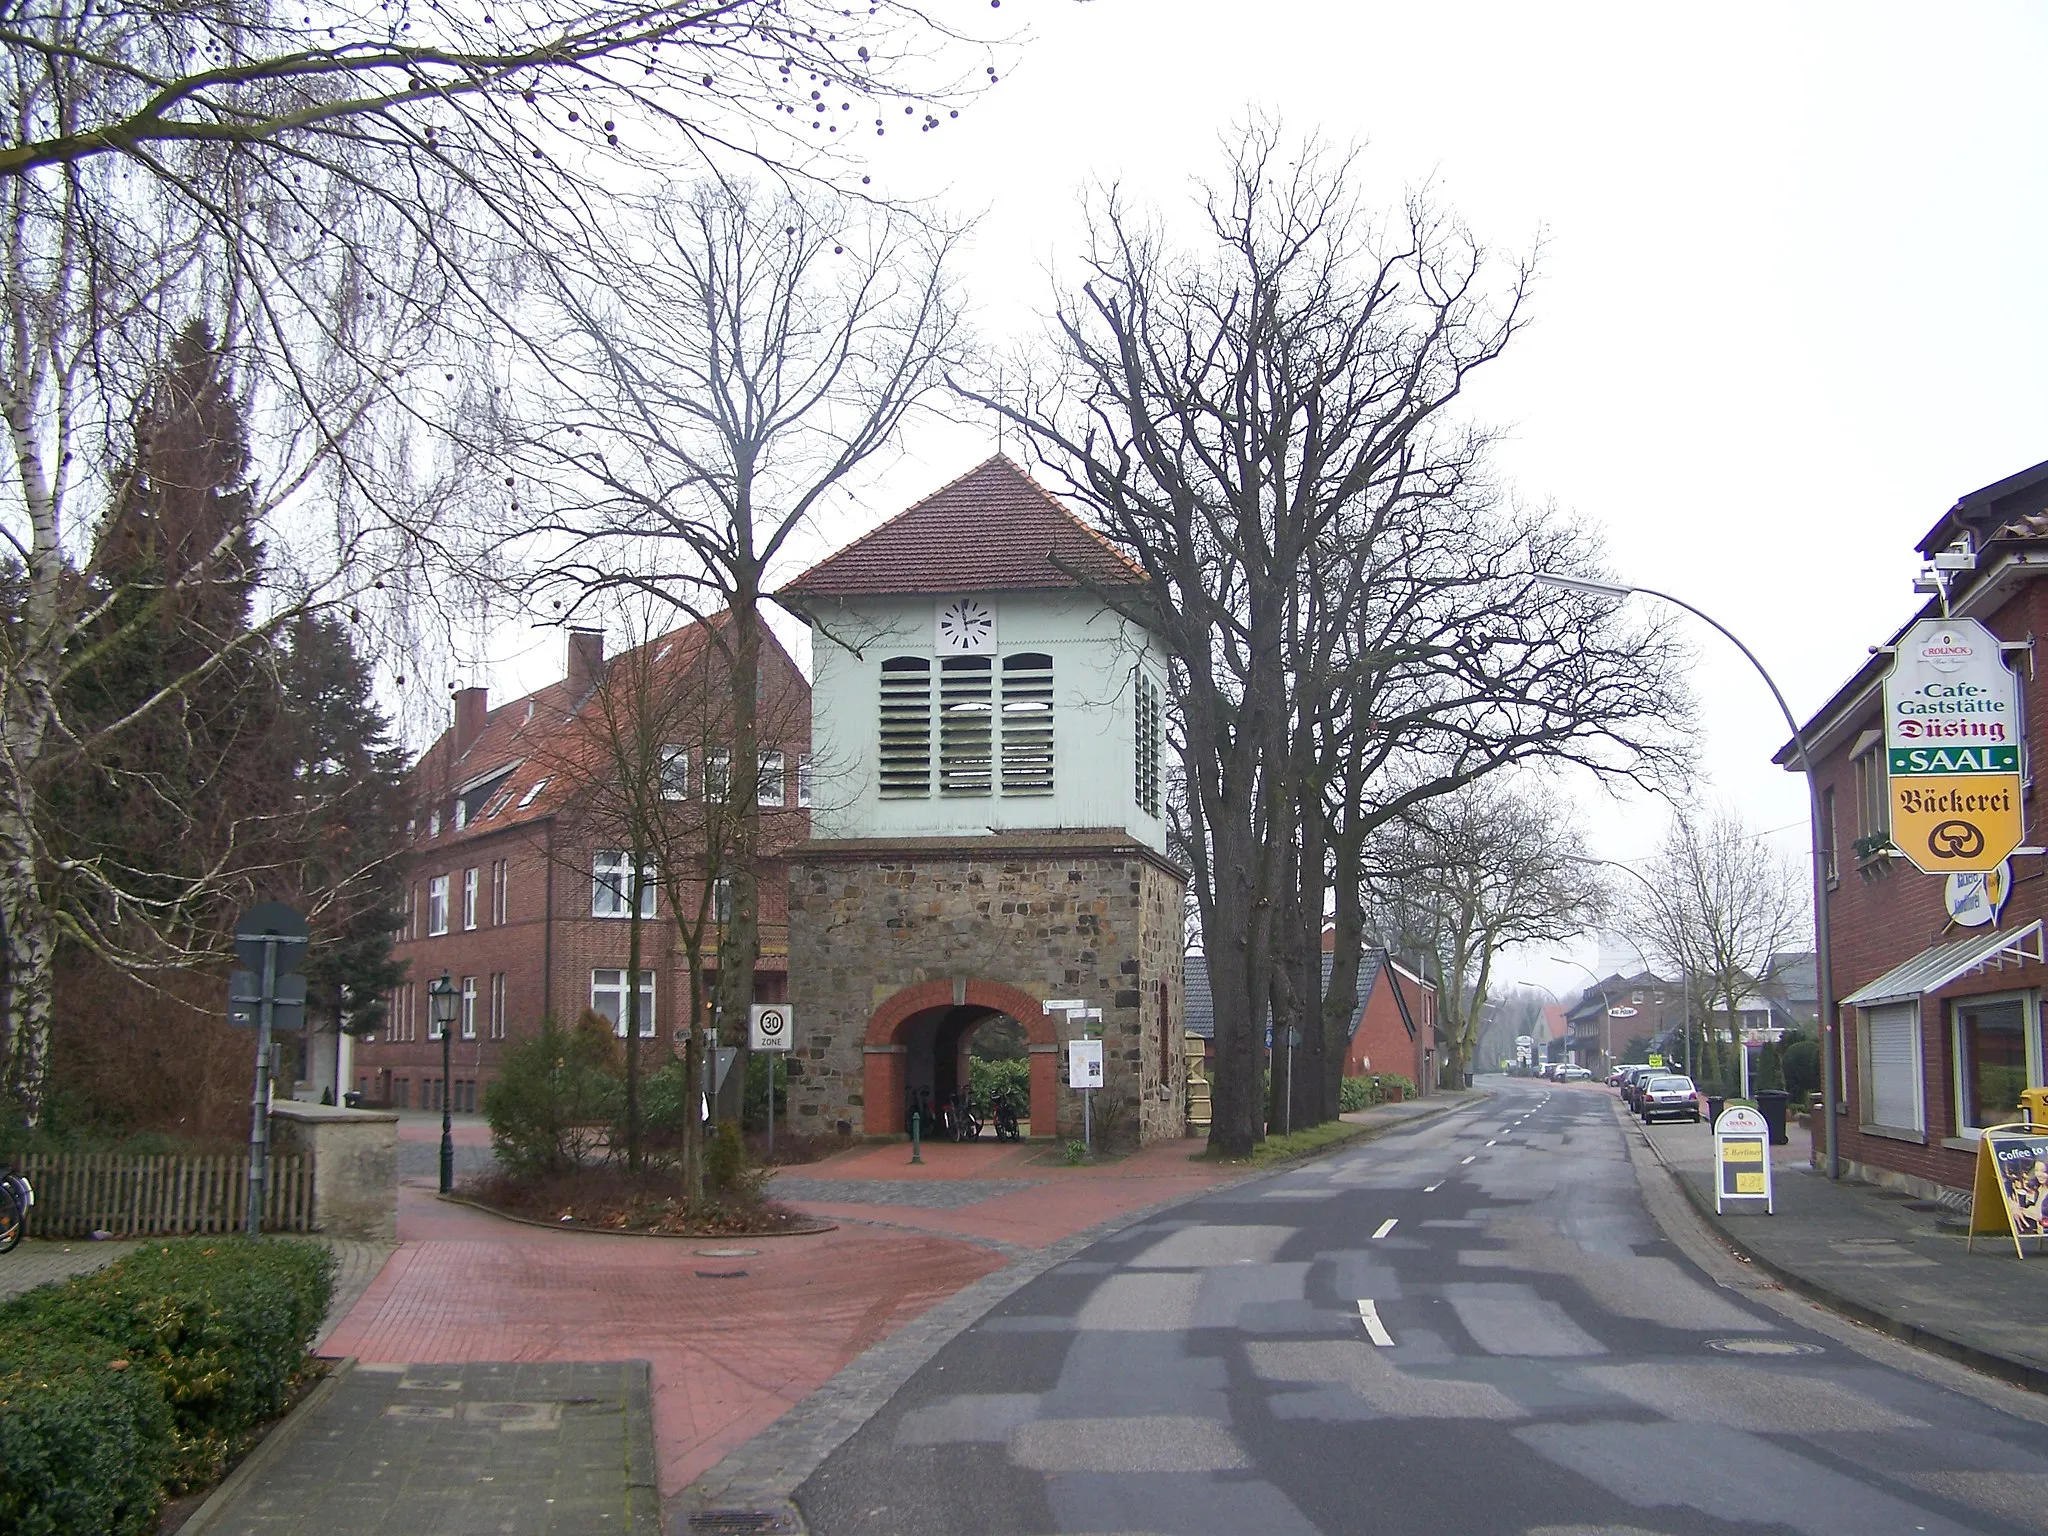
[(1717, 906), (702, 400), (1477, 871), (1266, 425)]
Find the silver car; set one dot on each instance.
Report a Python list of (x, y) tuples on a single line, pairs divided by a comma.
[(1672, 1098)]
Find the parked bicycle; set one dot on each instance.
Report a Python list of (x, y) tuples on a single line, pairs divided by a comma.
[(963, 1120), (1007, 1125), (16, 1197)]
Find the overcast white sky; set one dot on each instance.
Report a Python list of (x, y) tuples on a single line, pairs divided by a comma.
[(1792, 301)]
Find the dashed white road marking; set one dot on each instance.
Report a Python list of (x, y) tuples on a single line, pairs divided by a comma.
[(1439, 1184), (1491, 1143), (1464, 1160), (1385, 1227), (1375, 1330)]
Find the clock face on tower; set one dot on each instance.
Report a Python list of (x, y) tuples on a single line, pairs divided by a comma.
[(967, 626)]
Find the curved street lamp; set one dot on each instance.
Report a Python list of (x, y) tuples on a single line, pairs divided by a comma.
[(441, 1010), (1822, 971)]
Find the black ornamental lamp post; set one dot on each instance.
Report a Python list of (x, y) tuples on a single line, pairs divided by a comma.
[(441, 1009)]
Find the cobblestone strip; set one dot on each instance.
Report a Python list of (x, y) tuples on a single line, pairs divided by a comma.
[(924, 1194), (357, 1264), (764, 1474), (38, 1261)]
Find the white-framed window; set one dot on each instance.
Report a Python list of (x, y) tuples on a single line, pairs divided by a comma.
[(433, 1029), (610, 875), (469, 1007), (1892, 1096), (803, 780), (1873, 801), (721, 900), (501, 870), (461, 812), (771, 792), (497, 1005), (1150, 735), (1027, 724), (675, 773), (967, 740), (906, 725), (1995, 1045), (717, 775), (469, 894), (608, 999), (434, 822), (437, 905)]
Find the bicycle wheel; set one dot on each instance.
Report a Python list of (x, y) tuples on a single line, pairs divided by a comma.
[(11, 1222)]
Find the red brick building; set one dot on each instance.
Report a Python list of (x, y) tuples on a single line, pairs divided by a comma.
[(1395, 1030), (524, 903), (1940, 1023)]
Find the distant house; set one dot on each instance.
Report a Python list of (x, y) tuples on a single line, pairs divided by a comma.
[(1393, 1029), (1617, 1009)]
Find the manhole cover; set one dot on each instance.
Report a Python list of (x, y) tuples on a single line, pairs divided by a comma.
[(1763, 1347), (725, 1253)]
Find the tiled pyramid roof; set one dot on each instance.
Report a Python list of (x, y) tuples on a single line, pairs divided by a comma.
[(993, 529)]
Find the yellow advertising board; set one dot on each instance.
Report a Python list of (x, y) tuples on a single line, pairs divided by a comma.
[(1957, 823)]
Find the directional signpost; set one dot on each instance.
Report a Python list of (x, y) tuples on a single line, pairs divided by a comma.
[(270, 941), (1952, 748)]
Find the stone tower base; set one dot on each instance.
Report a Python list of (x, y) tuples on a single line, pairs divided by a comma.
[(898, 950)]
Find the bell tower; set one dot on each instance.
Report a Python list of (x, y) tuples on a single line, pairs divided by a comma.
[(988, 826)]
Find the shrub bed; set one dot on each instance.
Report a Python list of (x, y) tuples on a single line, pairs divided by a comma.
[(144, 1378)]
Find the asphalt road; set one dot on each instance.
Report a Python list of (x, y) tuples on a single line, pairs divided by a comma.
[(1488, 1323)]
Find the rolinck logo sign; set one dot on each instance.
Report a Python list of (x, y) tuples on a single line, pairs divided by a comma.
[(1946, 651)]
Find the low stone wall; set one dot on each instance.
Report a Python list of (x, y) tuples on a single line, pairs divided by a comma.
[(354, 1154)]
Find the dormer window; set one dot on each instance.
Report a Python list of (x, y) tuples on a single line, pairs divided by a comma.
[(434, 822)]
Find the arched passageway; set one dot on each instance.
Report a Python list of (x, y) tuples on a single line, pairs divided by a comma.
[(921, 1037)]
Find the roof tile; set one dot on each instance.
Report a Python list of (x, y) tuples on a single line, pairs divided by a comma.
[(993, 529)]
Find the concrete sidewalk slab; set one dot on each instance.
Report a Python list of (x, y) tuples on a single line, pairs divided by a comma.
[(1882, 1258), (517, 1449)]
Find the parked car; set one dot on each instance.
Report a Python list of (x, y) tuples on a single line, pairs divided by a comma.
[(1669, 1097), (1618, 1078), (1632, 1085), (1572, 1072)]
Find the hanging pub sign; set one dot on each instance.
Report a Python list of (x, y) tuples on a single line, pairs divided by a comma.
[(1952, 748), (2010, 1193), (1742, 1158)]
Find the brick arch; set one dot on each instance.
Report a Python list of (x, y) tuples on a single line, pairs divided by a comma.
[(884, 1068)]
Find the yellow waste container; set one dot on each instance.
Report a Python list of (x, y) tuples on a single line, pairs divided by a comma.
[(2034, 1104)]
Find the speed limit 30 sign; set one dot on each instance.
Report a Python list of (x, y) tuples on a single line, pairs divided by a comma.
[(769, 1027)]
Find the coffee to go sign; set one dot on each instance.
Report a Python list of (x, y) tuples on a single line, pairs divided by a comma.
[(1952, 748)]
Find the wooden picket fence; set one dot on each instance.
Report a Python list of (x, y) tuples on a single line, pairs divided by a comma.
[(85, 1192)]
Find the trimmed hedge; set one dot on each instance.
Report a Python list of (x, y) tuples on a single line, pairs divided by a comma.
[(146, 1375)]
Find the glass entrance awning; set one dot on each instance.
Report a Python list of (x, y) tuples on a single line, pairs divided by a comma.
[(1933, 969)]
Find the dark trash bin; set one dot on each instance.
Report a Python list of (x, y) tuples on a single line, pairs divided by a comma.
[(1716, 1102), (1771, 1104), (352, 1100), (1468, 1079)]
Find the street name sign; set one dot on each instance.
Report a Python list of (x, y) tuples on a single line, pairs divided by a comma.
[(1952, 748), (1742, 1158), (769, 1027)]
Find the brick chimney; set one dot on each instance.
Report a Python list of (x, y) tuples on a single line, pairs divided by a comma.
[(471, 705), (586, 661)]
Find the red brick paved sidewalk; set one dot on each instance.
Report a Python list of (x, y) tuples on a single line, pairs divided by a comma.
[(730, 1355)]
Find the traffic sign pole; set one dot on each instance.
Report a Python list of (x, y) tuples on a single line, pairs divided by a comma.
[(259, 1110)]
